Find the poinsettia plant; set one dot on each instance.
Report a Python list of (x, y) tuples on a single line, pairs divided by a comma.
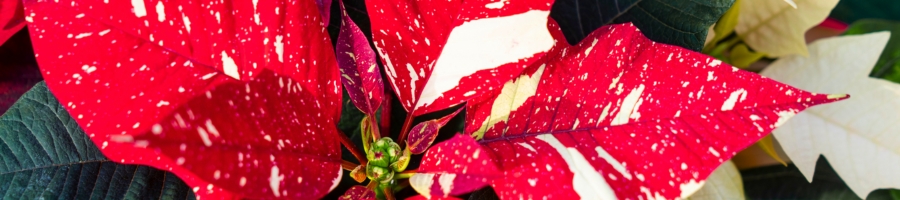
[(242, 99)]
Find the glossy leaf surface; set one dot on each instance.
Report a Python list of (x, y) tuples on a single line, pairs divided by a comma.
[(238, 98), (608, 118), (441, 53)]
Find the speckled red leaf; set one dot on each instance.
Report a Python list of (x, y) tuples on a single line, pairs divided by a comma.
[(441, 53), (238, 99), (359, 72), (423, 134), (453, 167), (12, 18), (358, 193), (621, 117)]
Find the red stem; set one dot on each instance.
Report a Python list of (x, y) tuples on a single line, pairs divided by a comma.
[(406, 127), (347, 165), (372, 124), (386, 112), (388, 193), (361, 157)]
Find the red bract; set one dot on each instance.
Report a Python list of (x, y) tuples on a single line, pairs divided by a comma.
[(11, 19), (617, 116), (239, 98), (359, 72), (441, 53), (456, 166)]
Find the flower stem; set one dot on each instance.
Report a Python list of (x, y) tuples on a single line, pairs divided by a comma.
[(388, 193), (347, 165), (360, 156), (401, 185), (405, 131), (405, 174), (386, 112), (373, 124)]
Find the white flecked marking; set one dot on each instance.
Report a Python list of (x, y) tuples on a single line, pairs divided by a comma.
[(139, 9), (468, 50), (586, 181)]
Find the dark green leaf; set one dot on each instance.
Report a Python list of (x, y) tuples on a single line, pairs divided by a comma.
[(678, 22), (888, 65), (850, 11), (46, 155), (578, 18)]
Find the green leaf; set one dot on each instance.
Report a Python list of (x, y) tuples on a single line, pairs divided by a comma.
[(578, 18), (680, 22), (723, 27), (741, 56), (45, 154), (888, 65), (850, 11)]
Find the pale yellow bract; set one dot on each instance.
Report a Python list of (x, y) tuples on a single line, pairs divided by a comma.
[(777, 28)]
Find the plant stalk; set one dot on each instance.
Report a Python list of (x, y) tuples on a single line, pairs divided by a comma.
[(386, 112), (388, 193), (360, 156), (405, 174), (347, 165), (373, 124), (405, 131)]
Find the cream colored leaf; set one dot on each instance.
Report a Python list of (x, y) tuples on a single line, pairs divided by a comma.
[(710, 35), (791, 2), (724, 183), (776, 28), (859, 136)]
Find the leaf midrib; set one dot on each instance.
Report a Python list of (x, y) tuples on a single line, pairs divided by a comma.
[(53, 165)]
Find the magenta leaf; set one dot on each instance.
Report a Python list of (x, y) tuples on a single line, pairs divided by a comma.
[(239, 99), (441, 53), (453, 167), (423, 134), (359, 71), (620, 117), (358, 193)]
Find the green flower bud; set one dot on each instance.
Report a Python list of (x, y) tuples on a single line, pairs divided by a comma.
[(379, 174), (383, 152), (402, 162)]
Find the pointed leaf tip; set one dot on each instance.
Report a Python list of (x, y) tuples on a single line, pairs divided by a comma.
[(360, 73), (423, 134), (852, 131), (612, 105)]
